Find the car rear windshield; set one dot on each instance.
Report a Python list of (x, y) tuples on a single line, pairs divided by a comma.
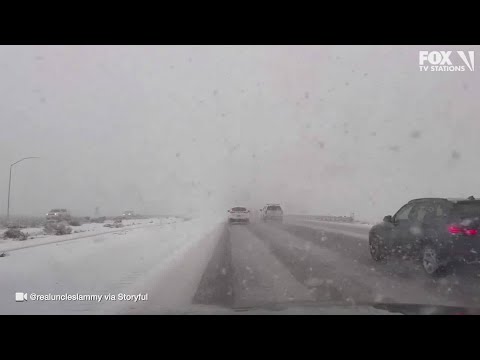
[(274, 208), (466, 210), (239, 209)]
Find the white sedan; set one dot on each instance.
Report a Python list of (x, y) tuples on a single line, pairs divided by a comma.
[(239, 215)]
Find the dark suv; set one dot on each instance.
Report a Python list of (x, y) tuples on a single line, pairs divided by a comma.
[(437, 231)]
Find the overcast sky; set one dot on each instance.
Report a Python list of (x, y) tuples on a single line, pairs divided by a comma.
[(172, 129)]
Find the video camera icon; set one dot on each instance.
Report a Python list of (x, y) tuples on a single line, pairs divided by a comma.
[(20, 296)]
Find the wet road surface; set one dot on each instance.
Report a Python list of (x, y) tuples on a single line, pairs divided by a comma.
[(309, 261)]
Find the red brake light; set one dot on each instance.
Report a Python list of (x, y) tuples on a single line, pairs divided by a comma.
[(454, 229)]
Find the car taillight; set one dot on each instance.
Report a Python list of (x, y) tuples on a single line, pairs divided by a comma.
[(455, 230)]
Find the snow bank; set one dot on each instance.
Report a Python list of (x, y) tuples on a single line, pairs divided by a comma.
[(164, 260), (38, 237), (173, 282)]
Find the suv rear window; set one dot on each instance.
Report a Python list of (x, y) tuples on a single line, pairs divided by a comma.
[(467, 209), (274, 208), (239, 209)]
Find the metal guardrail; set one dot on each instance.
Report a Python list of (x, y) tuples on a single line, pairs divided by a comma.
[(345, 219), (348, 219)]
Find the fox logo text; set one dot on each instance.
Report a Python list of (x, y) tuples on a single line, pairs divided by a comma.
[(446, 60)]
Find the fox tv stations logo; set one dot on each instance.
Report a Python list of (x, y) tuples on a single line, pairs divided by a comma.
[(446, 60)]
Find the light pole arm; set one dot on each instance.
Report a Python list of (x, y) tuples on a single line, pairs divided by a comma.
[(30, 157), (9, 182)]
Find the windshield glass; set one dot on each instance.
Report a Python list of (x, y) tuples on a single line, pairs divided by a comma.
[(467, 209), (305, 179), (274, 208)]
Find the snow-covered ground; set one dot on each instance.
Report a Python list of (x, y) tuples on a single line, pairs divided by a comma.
[(164, 259), (37, 236)]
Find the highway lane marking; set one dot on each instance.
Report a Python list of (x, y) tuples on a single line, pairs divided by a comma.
[(260, 276)]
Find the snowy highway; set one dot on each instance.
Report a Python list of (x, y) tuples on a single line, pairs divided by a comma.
[(304, 260), (205, 265), (213, 179)]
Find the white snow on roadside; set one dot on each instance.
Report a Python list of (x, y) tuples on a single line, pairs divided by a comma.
[(78, 232), (173, 282), (126, 260)]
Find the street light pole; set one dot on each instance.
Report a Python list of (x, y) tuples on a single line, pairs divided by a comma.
[(10, 182)]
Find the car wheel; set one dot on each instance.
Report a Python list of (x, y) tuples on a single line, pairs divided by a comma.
[(377, 250), (431, 261)]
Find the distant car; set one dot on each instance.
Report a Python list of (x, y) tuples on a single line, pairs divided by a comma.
[(437, 231), (239, 215), (58, 215), (128, 213), (272, 212)]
